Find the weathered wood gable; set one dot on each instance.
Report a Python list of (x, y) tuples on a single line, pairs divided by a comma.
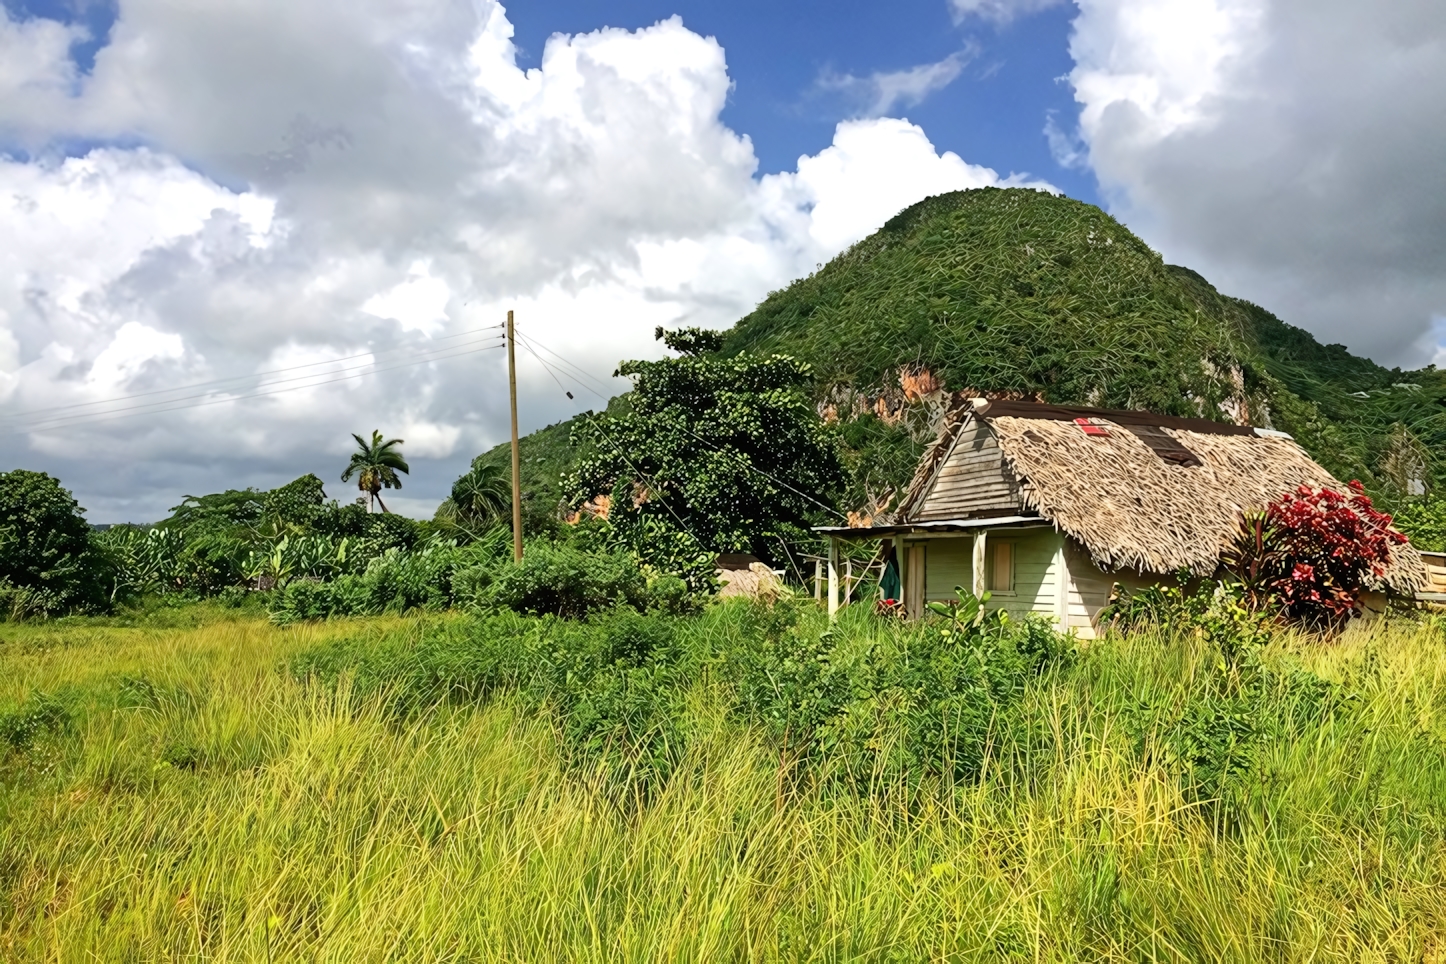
[(972, 480)]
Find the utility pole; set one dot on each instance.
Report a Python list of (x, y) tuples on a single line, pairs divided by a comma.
[(516, 459)]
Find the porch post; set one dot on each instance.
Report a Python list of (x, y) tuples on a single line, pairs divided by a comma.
[(832, 577), (817, 580), (979, 558), (1061, 587)]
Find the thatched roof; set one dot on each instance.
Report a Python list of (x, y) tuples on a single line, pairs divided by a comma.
[(1148, 492)]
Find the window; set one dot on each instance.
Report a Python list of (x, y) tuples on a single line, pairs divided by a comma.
[(999, 566)]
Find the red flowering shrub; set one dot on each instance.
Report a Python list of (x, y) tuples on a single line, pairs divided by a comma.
[(1312, 553)]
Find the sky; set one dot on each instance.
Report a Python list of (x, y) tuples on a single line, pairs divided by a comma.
[(235, 233)]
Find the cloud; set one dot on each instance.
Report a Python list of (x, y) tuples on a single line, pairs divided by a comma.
[(999, 11), (884, 92), (1289, 150), (330, 185), (418, 304)]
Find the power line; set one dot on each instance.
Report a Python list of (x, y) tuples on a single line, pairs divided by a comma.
[(549, 371), (155, 406), (578, 369), (716, 448), (77, 421), (233, 378)]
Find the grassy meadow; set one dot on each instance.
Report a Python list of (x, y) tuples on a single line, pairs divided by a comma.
[(203, 785)]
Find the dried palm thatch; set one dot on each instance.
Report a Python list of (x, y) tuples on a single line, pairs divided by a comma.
[(1134, 502), (755, 582)]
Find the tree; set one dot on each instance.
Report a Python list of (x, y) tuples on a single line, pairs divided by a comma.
[(375, 465), (714, 455), (46, 553), (479, 497)]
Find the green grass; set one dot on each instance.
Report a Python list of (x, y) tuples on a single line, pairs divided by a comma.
[(199, 800)]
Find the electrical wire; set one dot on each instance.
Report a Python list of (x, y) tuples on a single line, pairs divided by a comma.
[(418, 359), (580, 371), (89, 419), (233, 378), (721, 451)]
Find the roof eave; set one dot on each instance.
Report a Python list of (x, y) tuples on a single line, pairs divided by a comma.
[(940, 527)]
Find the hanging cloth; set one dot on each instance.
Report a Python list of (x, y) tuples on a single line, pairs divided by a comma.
[(889, 584)]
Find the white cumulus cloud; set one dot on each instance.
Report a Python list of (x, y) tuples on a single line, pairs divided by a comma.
[(329, 186)]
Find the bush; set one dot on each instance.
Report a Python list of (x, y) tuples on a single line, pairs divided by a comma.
[(1425, 523), (395, 581), (47, 560), (561, 580), (857, 701), (1312, 553)]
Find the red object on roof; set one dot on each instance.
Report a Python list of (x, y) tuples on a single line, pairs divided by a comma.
[(1090, 428)]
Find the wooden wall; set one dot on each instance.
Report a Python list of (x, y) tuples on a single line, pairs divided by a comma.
[(1037, 569), (1090, 587), (972, 479)]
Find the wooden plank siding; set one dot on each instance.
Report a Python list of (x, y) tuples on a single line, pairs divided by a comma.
[(1037, 569), (1090, 587), (972, 479)]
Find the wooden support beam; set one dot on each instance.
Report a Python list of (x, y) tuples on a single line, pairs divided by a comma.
[(980, 558), (1061, 587), (832, 578)]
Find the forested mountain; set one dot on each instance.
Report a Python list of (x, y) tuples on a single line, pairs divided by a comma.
[(1020, 293)]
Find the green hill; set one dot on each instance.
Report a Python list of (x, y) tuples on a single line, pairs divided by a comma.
[(1019, 292)]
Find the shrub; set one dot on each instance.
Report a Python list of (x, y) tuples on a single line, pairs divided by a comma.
[(1312, 553), (395, 581), (1425, 523), (41, 714), (562, 580), (1221, 613)]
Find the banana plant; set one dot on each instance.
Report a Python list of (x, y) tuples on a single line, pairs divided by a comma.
[(968, 619), (270, 569)]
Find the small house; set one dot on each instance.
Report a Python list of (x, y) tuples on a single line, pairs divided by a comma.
[(1049, 507)]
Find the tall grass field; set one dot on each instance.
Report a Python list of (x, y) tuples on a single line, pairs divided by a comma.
[(741, 784)]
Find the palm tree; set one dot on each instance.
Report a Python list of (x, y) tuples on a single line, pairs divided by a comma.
[(481, 495), (376, 464)]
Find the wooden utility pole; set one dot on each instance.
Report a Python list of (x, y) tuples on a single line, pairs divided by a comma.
[(516, 459)]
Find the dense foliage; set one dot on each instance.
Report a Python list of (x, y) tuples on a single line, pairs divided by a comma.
[(47, 562), (1425, 522), (713, 455), (250, 539), (1009, 290)]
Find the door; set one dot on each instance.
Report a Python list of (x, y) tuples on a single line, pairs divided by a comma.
[(914, 577)]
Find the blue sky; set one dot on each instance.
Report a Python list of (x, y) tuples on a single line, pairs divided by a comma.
[(205, 190), (778, 53), (782, 55)]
